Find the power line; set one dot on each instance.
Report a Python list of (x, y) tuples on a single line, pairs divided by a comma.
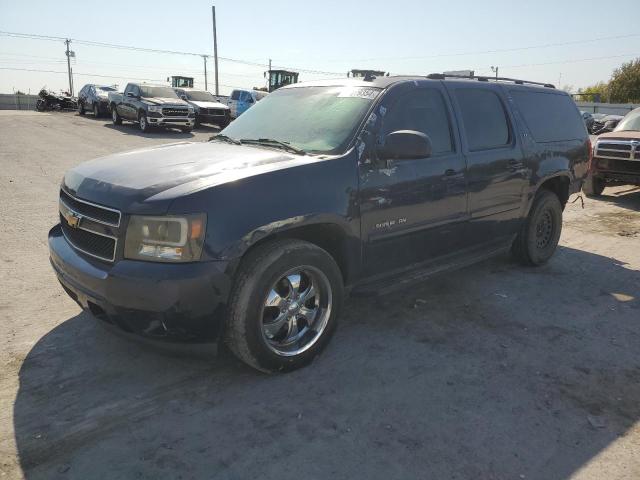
[(153, 50), (95, 75), (504, 50), (562, 62)]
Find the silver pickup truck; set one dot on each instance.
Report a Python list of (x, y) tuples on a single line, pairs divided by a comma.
[(151, 106)]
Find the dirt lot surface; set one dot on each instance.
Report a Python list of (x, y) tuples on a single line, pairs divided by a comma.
[(493, 372)]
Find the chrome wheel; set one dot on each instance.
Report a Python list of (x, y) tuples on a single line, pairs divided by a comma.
[(296, 311), (114, 115), (143, 123)]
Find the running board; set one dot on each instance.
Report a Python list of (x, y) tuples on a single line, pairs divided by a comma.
[(398, 281)]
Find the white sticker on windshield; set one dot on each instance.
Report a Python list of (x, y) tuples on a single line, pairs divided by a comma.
[(359, 92)]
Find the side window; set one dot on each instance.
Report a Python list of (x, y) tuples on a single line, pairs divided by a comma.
[(551, 117), (127, 89), (484, 118), (135, 90), (422, 110), (235, 95)]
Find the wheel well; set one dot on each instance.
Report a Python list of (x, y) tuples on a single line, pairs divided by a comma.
[(329, 237), (559, 186)]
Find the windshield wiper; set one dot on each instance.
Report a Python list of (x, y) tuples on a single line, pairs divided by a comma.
[(225, 138), (272, 142)]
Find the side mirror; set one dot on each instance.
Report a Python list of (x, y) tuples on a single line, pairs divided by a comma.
[(405, 144), (183, 97), (132, 95)]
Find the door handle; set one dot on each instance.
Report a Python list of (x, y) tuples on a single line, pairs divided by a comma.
[(450, 172)]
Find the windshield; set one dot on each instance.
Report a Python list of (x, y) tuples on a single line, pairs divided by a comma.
[(313, 119), (106, 89), (148, 92), (630, 122), (200, 96)]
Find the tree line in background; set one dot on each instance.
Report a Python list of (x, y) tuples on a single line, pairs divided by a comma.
[(624, 86)]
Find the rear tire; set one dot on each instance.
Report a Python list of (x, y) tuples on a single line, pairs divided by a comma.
[(538, 237), (594, 186), (115, 118), (276, 320)]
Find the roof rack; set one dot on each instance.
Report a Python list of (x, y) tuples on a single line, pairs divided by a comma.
[(442, 76)]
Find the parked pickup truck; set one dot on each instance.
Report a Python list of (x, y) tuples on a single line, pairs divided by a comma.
[(151, 106), (363, 186), (616, 156)]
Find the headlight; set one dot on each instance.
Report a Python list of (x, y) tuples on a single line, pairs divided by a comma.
[(155, 108), (191, 110), (165, 239)]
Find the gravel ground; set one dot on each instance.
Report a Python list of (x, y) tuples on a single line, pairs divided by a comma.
[(493, 372)]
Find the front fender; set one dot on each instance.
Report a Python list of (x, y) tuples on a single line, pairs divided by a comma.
[(243, 212)]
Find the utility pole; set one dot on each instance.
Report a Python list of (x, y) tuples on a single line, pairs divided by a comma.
[(204, 57), (269, 77), (215, 46), (69, 53), (495, 70)]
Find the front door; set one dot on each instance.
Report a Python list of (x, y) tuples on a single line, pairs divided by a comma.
[(414, 210)]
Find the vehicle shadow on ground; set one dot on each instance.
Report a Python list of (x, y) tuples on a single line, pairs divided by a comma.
[(496, 371), (133, 129), (628, 198)]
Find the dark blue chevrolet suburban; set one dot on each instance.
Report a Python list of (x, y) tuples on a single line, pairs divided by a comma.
[(322, 189)]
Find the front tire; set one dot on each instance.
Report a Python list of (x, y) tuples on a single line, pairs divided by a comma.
[(594, 186), (538, 237), (284, 305), (80, 108), (115, 118), (186, 129), (96, 110), (144, 123)]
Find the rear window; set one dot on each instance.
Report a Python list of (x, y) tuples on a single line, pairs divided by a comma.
[(550, 117), (484, 118)]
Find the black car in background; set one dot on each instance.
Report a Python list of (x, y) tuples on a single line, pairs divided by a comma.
[(94, 98), (207, 107)]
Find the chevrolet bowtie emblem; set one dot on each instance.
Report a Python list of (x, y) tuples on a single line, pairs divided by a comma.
[(72, 219)]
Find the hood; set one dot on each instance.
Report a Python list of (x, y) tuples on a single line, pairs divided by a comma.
[(164, 101), (623, 135), (209, 104), (147, 180)]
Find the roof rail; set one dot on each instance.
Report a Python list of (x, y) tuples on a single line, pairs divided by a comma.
[(442, 76)]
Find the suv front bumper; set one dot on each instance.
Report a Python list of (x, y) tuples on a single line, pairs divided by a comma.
[(159, 300)]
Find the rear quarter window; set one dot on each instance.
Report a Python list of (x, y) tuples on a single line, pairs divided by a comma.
[(550, 117)]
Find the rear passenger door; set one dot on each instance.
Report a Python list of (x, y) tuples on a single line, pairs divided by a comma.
[(496, 174), (415, 210)]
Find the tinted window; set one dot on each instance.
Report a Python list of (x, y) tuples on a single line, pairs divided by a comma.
[(485, 121), (423, 110), (550, 117), (235, 95)]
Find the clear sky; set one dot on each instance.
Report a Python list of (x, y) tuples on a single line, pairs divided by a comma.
[(332, 37)]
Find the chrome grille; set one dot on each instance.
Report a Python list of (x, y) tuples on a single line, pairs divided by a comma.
[(618, 149), (89, 228), (98, 213)]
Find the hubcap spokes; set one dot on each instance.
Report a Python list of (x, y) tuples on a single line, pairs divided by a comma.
[(296, 311)]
